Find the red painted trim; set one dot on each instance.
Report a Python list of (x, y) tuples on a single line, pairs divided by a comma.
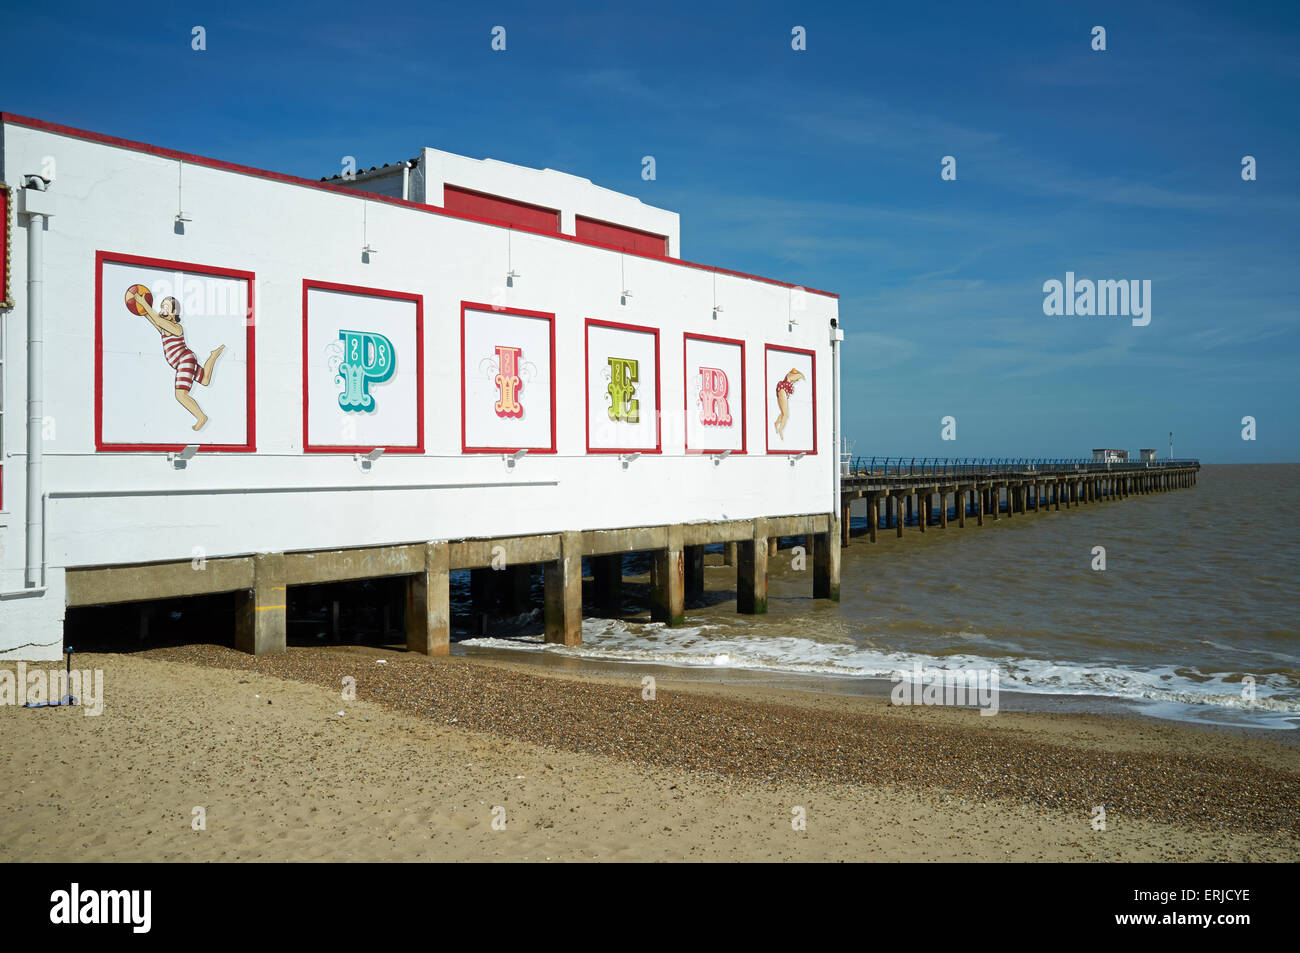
[(250, 320), (102, 139), (307, 446), (767, 423), (500, 309), (469, 202), (686, 394), (624, 237), (586, 382)]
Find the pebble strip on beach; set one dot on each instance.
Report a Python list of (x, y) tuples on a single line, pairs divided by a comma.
[(781, 743)]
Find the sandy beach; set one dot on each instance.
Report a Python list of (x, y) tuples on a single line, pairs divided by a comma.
[(470, 760)]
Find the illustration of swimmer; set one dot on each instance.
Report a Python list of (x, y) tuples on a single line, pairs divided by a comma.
[(784, 388), (167, 319)]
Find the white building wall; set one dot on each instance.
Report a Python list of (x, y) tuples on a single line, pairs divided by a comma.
[(125, 507)]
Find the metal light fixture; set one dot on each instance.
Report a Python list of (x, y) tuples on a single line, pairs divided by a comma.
[(181, 460), (366, 461)]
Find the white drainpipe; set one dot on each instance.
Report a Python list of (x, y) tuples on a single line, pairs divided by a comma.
[(837, 336), (39, 207)]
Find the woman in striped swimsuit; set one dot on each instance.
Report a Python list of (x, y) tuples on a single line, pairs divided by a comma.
[(167, 319), (784, 388)]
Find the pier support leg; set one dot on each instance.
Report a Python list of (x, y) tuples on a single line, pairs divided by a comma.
[(563, 597), (898, 516), (261, 613), (943, 509), (516, 584), (428, 603), (773, 544), (922, 510), (826, 565), (844, 522), (873, 515), (751, 574), (960, 501), (607, 571), (668, 581), (979, 507), (694, 571), (729, 554)]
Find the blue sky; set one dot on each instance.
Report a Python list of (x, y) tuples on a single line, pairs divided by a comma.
[(822, 167)]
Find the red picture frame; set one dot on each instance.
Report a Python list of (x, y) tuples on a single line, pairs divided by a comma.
[(307, 447), (501, 309), (586, 371), (6, 242), (250, 321), (767, 435), (686, 395)]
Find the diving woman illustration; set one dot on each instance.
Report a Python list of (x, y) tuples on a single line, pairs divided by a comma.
[(167, 319), (784, 388)]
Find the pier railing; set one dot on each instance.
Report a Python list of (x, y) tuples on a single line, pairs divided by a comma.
[(961, 466)]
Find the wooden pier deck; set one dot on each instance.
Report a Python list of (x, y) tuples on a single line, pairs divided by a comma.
[(926, 493)]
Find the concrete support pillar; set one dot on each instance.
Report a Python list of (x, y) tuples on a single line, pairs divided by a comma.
[(909, 508), (898, 516), (773, 544), (1011, 500), (729, 554), (826, 564), (922, 510), (563, 597), (960, 500), (607, 571), (873, 515), (979, 507), (845, 515), (516, 582), (428, 603), (995, 502), (668, 581), (751, 574), (261, 613), (694, 565), (943, 508)]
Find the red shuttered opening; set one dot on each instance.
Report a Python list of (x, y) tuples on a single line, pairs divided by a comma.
[(620, 236), (481, 205)]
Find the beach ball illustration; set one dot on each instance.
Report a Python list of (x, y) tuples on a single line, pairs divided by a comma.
[(134, 306)]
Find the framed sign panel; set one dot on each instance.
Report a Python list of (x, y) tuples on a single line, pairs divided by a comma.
[(790, 396), (174, 355), (362, 369), (715, 394), (622, 381), (507, 379)]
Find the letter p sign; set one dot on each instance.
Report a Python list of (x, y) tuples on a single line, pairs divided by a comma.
[(368, 359)]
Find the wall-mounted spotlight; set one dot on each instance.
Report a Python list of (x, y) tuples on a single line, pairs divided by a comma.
[(512, 458), (511, 275), (626, 458), (719, 457), (366, 461), (622, 298), (717, 310), (181, 460), (798, 456)]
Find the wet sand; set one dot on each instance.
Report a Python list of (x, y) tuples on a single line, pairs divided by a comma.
[(582, 767)]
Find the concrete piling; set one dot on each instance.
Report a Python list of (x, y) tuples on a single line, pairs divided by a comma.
[(428, 603)]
